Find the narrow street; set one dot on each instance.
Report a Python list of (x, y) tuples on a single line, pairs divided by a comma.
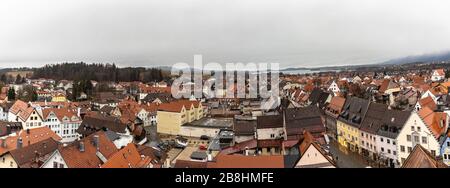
[(345, 158)]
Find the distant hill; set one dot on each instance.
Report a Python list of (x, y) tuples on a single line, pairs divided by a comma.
[(435, 57)]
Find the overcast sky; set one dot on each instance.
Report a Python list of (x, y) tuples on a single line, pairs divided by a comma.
[(151, 32)]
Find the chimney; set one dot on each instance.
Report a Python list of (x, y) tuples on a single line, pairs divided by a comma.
[(36, 156), (19, 142), (3, 143), (246, 151), (81, 147), (96, 142), (79, 112), (210, 158)]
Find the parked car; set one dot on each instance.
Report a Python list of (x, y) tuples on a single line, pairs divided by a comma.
[(202, 147), (204, 137)]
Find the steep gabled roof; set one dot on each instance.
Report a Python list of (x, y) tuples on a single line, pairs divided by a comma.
[(421, 158), (354, 111), (336, 104), (127, 157), (25, 157), (373, 120), (28, 137), (60, 113), (427, 102), (435, 121), (91, 157)]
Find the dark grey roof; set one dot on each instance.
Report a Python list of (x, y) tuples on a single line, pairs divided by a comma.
[(95, 122), (354, 111), (199, 155), (26, 156), (269, 121), (244, 127), (106, 109), (392, 122), (315, 95), (112, 135), (291, 160), (300, 119), (318, 97), (372, 121), (163, 97)]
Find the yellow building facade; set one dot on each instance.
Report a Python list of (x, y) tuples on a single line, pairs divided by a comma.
[(170, 117), (348, 136), (170, 122), (59, 98)]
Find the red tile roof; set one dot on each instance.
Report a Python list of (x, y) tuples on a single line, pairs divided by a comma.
[(28, 137), (336, 104), (127, 157), (435, 121), (18, 106), (422, 158), (440, 72), (88, 158), (60, 113), (427, 102)]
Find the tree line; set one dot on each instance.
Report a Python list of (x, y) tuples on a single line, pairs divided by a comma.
[(99, 72)]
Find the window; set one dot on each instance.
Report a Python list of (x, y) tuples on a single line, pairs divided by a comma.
[(362, 143), (445, 156), (55, 165), (382, 149), (272, 135), (388, 141), (394, 152), (412, 128), (381, 139), (408, 138), (362, 134), (418, 129), (409, 149), (424, 139), (11, 164), (393, 143), (433, 152), (61, 165), (416, 139), (448, 143), (389, 151)]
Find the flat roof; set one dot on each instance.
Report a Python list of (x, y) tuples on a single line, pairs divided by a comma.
[(225, 123)]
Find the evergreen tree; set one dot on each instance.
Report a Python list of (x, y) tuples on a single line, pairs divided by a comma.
[(447, 73), (3, 78), (75, 90), (34, 97), (19, 79), (11, 94)]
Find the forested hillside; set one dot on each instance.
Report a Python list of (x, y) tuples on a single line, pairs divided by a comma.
[(99, 72)]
